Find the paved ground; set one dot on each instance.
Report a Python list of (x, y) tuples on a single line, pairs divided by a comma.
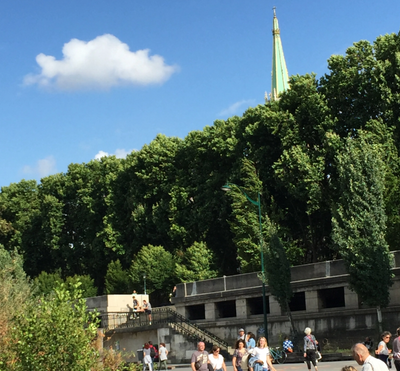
[(322, 366)]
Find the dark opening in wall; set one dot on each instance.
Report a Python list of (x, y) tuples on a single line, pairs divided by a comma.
[(298, 301), (226, 309), (196, 312), (255, 305), (331, 298)]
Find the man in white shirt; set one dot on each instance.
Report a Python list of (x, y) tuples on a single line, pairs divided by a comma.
[(242, 335), (363, 358)]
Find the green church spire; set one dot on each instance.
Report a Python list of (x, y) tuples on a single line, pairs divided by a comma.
[(280, 76)]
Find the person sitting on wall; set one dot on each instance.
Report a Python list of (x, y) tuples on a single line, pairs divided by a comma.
[(135, 307), (147, 309)]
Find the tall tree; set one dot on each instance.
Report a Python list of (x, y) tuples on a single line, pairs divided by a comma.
[(277, 271), (196, 264), (117, 279), (359, 220), (304, 167), (361, 86), (158, 266), (18, 206), (251, 244), (245, 223)]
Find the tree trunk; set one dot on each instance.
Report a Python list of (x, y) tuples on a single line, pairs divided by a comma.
[(379, 316), (289, 314)]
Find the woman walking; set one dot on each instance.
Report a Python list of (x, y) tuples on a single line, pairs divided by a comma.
[(163, 356), (261, 359), (147, 362), (240, 356), (216, 360), (383, 351), (310, 349), (250, 341)]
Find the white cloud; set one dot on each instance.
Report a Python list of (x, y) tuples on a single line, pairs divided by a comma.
[(238, 107), (119, 153), (43, 167), (101, 154), (101, 63)]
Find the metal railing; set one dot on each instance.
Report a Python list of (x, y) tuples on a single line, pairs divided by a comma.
[(162, 315)]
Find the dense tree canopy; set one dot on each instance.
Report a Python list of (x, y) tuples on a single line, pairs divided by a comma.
[(167, 196)]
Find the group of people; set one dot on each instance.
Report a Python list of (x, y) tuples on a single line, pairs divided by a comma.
[(136, 308), (251, 355), (382, 360), (248, 355), (202, 361), (151, 354)]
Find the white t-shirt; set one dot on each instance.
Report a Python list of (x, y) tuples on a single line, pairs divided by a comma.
[(216, 363), (162, 351), (146, 356), (262, 354), (384, 349)]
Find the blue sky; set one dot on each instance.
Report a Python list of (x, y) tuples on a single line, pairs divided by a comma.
[(83, 78)]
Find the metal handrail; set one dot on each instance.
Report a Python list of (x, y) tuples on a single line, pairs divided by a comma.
[(113, 320)]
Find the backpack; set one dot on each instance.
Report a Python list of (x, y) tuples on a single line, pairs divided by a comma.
[(152, 352)]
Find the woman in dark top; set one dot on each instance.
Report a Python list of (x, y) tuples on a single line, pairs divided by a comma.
[(310, 349)]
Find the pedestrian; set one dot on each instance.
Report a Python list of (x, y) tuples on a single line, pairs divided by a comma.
[(153, 352), (261, 359), (241, 334), (396, 350), (368, 343), (162, 356), (240, 356), (147, 309), (383, 351), (287, 345), (216, 360), (363, 358), (147, 362), (199, 358), (250, 341), (135, 307), (310, 349)]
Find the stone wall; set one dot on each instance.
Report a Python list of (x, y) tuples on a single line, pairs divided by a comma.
[(324, 302), (114, 303)]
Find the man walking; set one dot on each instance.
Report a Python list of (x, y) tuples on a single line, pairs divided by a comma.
[(242, 335), (199, 358), (363, 358)]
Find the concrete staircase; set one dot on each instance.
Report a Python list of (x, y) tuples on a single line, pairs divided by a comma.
[(182, 325)]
